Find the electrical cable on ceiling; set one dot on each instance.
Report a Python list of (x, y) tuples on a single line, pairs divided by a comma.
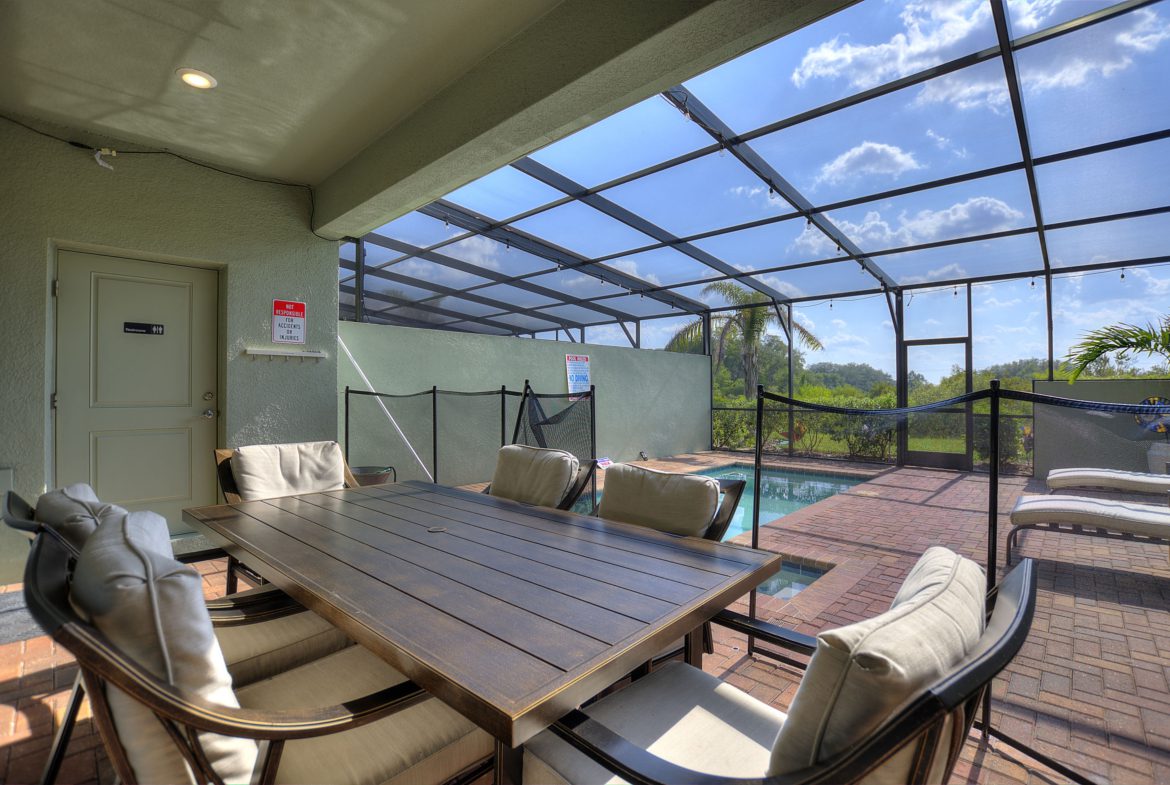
[(101, 152)]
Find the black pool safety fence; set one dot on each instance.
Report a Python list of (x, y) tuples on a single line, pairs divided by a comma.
[(982, 431), (452, 436)]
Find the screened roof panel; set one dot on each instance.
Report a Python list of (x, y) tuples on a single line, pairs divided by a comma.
[(576, 284), (1110, 241), (1000, 256), (1105, 82), (1131, 178), (1027, 16), (822, 279), (432, 272), (377, 256), (478, 327), (496, 256), (526, 322), (990, 204), (576, 313), (772, 245), (707, 294), (396, 289), (460, 306), (583, 230), (645, 134), (711, 192), (515, 296), (663, 267), (639, 305), (503, 193), (418, 230), (860, 47), (894, 141)]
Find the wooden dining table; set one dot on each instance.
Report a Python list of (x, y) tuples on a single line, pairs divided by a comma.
[(511, 614)]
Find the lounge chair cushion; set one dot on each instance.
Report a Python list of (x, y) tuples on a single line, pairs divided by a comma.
[(533, 475), (860, 674), (151, 607), (676, 503), (678, 713), (260, 650), (1137, 482), (428, 742), (266, 471), (1145, 519), (73, 512)]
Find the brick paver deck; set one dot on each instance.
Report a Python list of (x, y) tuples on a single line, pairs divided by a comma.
[(1089, 689)]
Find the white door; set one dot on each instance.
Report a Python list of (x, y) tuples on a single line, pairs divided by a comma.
[(136, 382)]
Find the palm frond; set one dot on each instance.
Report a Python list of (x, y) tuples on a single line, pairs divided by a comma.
[(688, 339), (1122, 340)]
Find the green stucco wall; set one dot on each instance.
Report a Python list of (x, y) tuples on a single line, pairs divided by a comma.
[(156, 207), (1071, 437), (653, 401)]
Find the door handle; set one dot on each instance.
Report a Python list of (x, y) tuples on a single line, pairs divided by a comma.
[(209, 414)]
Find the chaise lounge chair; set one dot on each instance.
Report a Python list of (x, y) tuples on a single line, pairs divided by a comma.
[(1113, 479), (1091, 517)]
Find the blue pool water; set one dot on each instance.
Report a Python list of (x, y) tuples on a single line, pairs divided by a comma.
[(782, 492)]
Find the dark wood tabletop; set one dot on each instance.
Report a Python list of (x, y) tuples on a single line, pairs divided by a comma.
[(510, 614)]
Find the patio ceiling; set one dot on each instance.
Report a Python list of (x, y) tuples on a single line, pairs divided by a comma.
[(881, 149)]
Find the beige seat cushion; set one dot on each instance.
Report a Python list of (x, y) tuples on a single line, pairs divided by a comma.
[(676, 503), (678, 713), (533, 475), (256, 651), (1144, 519), (73, 512), (151, 607), (266, 471), (1138, 482), (426, 743), (860, 674)]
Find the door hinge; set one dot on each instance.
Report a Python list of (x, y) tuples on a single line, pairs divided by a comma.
[(53, 401), (56, 286)]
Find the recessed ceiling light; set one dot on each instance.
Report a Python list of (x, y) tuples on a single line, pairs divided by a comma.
[(198, 79)]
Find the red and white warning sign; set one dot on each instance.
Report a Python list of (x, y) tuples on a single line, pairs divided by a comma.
[(288, 321)]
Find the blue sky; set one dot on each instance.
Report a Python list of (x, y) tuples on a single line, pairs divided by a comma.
[(1099, 84)]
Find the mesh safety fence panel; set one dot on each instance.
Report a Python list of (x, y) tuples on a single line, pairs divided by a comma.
[(562, 422), (472, 426), (392, 430)]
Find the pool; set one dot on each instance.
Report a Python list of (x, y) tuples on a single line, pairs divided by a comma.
[(792, 579), (783, 492)]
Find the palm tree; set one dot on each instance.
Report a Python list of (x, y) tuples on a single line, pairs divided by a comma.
[(750, 321), (1122, 339)]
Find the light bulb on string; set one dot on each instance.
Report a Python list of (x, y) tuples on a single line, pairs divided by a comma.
[(1123, 273), (1032, 283)]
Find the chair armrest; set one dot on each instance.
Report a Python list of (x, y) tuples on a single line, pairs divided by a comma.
[(768, 633), (199, 714), (251, 607)]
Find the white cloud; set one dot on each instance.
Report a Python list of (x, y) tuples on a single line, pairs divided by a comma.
[(804, 319), (967, 90), (785, 288), (480, 250), (762, 197), (868, 158), (1152, 284), (630, 267), (946, 272), (934, 32), (1031, 14), (977, 215)]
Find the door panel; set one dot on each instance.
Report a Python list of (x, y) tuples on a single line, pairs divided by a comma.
[(136, 356), (940, 438)]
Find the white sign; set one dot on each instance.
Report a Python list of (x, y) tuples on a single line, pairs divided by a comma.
[(288, 321), (577, 369)]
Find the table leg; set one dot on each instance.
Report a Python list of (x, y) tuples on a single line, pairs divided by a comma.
[(509, 768), (693, 648)]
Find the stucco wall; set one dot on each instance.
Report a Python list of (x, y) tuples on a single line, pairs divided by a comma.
[(1071, 437), (159, 208), (657, 402)]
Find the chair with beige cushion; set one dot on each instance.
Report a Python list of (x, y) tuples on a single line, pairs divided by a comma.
[(261, 632), (540, 476), (887, 700), (268, 471), (686, 504), (164, 702)]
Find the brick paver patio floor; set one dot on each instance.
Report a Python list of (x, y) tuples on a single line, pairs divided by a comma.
[(1090, 687)]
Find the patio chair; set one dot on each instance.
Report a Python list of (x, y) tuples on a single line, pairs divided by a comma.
[(163, 701), (268, 471), (890, 699), (261, 631), (1083, 515), (1110, 479), (540, 476), (686, 504)]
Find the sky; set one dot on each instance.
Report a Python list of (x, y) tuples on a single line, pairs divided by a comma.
[(1095, 85)]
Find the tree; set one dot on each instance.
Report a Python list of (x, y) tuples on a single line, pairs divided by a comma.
[(1121, 340), (748, 322)]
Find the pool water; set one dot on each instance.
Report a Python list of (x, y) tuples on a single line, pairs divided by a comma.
[(792, 579), (782, 492)]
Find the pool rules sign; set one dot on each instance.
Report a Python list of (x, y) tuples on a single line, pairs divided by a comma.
[(577, 369), (288, 321)]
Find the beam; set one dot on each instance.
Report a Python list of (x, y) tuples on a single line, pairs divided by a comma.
[(579, 63)]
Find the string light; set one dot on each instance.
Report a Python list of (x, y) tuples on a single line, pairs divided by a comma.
[(955, 292), (1032, 283), (1123, 273), (830, 305)]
